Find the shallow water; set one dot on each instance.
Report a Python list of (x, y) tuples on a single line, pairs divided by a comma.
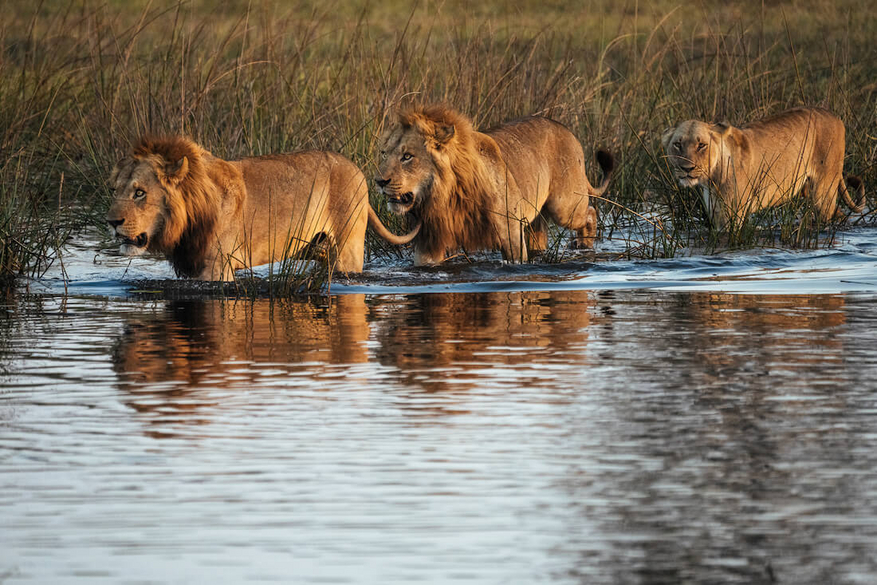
[(626, 422)]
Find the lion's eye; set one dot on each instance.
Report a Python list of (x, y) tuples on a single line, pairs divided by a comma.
[(701, 145), (139, 194), (407, 156), (677, 145)]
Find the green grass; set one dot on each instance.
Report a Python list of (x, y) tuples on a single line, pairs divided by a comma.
[(79, 81)]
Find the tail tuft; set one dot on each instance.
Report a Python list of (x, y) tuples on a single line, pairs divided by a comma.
[(607, 165), (606, 161)]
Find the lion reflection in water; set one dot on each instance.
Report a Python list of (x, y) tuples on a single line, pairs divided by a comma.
[(194, 344), (739, 334), (440, 341), (212, 344)]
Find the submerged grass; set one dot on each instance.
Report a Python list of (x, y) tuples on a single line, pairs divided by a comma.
[(80, 81)]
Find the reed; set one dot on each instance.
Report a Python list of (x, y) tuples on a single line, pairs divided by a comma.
[(79, 81)]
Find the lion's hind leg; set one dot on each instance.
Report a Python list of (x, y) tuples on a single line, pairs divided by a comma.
[(823, 191), (350, 252), (573, 212), (347, 236)]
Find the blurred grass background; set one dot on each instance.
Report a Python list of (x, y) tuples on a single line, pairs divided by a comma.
[(81, 80)]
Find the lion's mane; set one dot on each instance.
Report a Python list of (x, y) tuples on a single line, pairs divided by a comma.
[(457, 213), (193, 201)]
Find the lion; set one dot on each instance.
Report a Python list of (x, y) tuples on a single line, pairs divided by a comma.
[(480, 190), (210, 217), (763, 164)]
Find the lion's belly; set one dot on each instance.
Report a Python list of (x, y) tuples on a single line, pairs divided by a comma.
[(781, 172), (775, 186)]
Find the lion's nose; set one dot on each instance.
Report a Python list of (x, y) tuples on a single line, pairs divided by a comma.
[(114, 223), (382, 182)]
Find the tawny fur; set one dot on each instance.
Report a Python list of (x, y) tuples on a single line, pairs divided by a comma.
[(762, 164), (477, 190), (210, 217)]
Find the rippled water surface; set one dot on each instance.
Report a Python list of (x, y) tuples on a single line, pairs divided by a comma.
[(666, 432)]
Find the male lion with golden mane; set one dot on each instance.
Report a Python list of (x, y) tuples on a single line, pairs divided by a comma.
[(762, 164), (210, 217), (478, 190)]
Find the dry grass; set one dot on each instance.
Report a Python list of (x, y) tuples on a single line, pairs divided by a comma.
[(79, 81)]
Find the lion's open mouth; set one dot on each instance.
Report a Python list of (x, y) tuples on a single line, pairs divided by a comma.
[(403, 199), (138, 242), (401, 204)]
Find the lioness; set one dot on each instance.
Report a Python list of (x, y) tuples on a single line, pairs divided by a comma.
[(478, 190), (211, 217), (767, 162)]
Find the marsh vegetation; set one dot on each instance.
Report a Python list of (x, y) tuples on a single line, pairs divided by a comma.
[(80, 81)]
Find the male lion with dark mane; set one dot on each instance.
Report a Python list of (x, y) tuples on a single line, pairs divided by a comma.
[(210, 217), (762, 164), (478, 190)]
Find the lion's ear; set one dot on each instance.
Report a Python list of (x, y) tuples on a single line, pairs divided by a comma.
[(488, 147), (666, 136), (443, 133), (176, 172), (721, 128)]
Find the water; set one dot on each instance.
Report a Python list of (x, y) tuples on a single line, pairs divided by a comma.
[(700, 420)]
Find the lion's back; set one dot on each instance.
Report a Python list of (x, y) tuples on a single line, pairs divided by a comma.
[(542, 155), (534, 135), (815, 132), (301, 174)]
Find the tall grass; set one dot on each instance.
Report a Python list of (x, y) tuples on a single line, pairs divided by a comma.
[(80, 81)]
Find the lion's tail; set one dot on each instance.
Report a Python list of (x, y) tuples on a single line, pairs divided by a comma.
[(607, 165), (856, 185), (375, 222)]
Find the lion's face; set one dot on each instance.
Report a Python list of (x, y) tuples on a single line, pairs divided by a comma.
[(693, 149), (137, 214), (406, 168)]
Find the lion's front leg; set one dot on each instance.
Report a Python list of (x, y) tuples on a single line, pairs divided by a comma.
[(422, 258), (715, 207), (511, 241), (217, 270)]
